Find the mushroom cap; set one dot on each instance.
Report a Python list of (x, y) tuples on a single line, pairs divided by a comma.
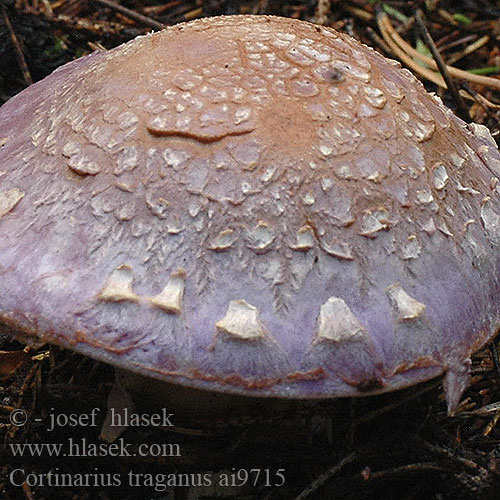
[(254, 205)]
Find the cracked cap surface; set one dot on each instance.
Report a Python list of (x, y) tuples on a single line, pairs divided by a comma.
[(250, 204)]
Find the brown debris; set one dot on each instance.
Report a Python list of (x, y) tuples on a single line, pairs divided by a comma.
[(11, 361)]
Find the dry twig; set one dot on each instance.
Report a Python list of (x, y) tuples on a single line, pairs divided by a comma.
[(326, 476), (17, 46), (132, 14), (450, 83)]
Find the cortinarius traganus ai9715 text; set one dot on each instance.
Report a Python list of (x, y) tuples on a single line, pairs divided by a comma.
[(251, 205)]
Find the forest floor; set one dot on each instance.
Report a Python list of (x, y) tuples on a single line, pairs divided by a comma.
[(397, 446)]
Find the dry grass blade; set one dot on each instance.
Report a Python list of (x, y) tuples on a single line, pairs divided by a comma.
[(397, 44), (359, 13), (480, 99), (147, 21), (388, 32), (491, 425), (469, 49), (483, 411)]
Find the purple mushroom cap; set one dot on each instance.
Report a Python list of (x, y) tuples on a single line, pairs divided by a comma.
[(252, 205)]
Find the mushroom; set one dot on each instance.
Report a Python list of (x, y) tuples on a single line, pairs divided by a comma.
[(254, 206)]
